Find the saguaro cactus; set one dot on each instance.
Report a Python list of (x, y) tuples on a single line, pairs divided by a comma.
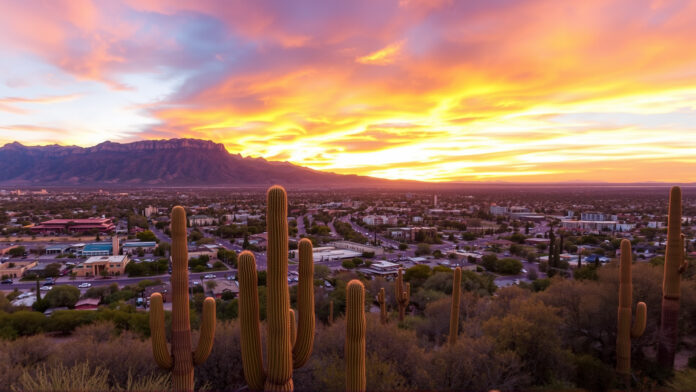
[(671, 283), (625, 331), (355, 337), (454, 312), (402, 296), (381, 298), (181, 360), (282, 357)]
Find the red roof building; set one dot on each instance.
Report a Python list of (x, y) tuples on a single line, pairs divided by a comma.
[(103, 225), (87, 304)]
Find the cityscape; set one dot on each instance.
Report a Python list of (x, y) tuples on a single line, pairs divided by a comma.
[(326, 195)]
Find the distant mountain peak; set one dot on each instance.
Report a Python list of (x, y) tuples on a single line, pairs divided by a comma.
[(173, 162)]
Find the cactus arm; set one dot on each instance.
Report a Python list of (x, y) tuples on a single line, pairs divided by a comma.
[(640, 321), (304, 342), (381, 298), (685, 264), (408, 293), (159, 336), (454, 312), (355, 337), (207, 337), (252, 358), (293, 328), (331, 306), (279, 346)]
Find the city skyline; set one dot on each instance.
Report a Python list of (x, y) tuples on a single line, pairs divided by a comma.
[(529, 91)]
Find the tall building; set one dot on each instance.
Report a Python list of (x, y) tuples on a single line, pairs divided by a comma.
[(435, 201)]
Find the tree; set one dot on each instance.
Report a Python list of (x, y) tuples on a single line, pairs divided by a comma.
[(422, 249), (211, 285), (417, 275), (146, 236), (62, 295), (18, 251), (403, 246)]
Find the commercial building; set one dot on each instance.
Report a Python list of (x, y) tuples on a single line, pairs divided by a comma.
[(331, 253), (498, 210), (102, 225), (130, 248), (97, 249), (15, 269), (381, 268), (201, 220), (585, 225), (377, 250), (102, 265), (597, 216), (377, 220)]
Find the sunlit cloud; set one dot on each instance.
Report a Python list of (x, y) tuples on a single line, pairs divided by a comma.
[(382, 56), (536, 90)]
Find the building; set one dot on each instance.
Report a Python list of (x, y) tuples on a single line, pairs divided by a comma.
[(131, 248), (597, 216), (102, 225), (377, 220), (57, 249), (420, 234), (381, 268), (15, 269), (97, 249), (377, 250), (201, 220), (498, 210), (331, 253), (585, 225), (102, 265), (150, 210), (471, 257)]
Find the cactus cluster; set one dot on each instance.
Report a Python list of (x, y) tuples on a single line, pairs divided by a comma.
[(402, 296), (355, 337), (675, 264), (454, 313), (288, 346), (381, 298), (625, 331), (181, 360)]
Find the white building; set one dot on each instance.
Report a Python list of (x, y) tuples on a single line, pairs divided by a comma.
[(498, 210), (597, 216)]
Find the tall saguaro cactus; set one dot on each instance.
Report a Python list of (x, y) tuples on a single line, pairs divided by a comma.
[(625, 331), (454, 312), (402, 296), (381, 298), (282, 354), (181, 360), (355, 337), (671, 283)]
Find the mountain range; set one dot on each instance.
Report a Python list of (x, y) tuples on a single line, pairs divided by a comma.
[(174, 162)]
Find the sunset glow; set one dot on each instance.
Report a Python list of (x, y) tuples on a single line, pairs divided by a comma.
[(522, 91)]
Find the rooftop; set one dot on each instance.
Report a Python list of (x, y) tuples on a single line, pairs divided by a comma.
[(108, 259)]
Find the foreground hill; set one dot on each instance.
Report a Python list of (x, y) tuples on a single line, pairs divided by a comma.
[(175, 162)]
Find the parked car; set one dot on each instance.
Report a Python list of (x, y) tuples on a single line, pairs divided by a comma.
[(46, 288), (7, 281), (195, 282), (209, 276), (49, 283), (85, 285)]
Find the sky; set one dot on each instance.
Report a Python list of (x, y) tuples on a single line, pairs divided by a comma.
[(437, 90)]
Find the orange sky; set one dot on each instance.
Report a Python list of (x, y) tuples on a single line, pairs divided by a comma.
[(521, 91)]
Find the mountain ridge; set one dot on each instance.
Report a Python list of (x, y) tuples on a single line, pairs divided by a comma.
[(167, 162)]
